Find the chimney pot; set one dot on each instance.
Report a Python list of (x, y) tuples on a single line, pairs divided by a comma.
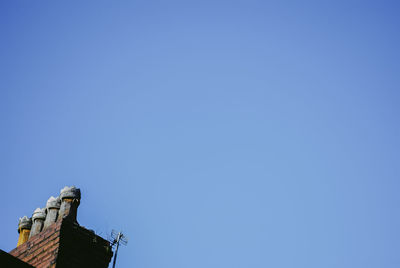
[(24, 228), (39, 213), (70, 192), (24, 223), (70, 200), (52, 207), (53, 202), (38, 217)]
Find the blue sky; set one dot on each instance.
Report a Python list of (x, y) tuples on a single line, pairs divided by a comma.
[(213, 133)]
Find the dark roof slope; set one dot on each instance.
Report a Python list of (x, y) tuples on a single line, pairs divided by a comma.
[(9, 261)]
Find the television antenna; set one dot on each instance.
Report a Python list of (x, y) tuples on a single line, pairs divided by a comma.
[(116, 239)]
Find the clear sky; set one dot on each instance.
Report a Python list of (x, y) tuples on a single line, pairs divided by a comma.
[(221, 134)]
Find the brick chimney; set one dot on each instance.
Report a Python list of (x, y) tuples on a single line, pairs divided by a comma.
[(53, 238)]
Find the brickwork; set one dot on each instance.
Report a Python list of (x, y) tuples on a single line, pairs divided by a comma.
[(40, 250), (65, 244)]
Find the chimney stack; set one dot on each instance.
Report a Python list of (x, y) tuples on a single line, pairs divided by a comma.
[(52, 207), (38, 217), (53, 238), (24, 228), (70, 200)]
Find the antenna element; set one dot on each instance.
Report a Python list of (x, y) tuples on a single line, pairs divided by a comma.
[(116, 239)]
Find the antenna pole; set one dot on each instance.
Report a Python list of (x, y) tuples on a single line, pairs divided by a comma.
[(116, 250), (116, 239)]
